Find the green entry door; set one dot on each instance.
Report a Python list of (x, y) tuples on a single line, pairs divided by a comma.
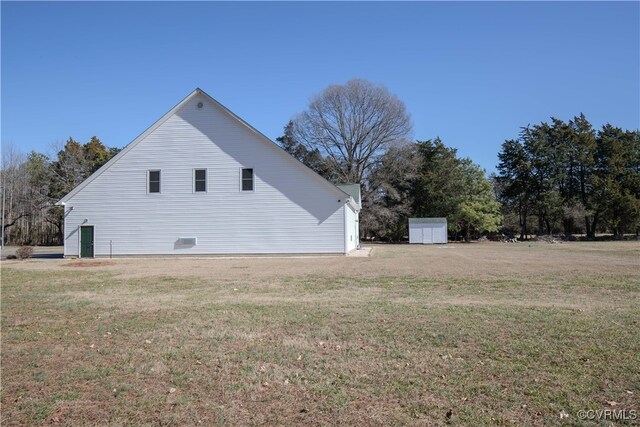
[(86, 241)]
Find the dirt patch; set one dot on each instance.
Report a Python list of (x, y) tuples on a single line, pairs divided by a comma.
[(89, 264)]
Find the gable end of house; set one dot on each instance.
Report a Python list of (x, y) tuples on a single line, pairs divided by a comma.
[(339, 192)]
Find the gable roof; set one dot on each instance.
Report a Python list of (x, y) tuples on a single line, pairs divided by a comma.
[(427, 220), (164, 118), (354, 191)]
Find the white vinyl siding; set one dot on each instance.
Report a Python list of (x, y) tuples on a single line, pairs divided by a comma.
[(294, 210)]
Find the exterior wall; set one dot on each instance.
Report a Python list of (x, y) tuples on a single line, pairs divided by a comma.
[(352, 228), (290, 210)]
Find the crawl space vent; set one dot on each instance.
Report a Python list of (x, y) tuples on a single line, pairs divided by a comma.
[(187, 241)]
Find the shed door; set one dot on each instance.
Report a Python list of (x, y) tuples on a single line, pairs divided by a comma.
[(440, 234), (415, 233), (427, 234), (86, 241)]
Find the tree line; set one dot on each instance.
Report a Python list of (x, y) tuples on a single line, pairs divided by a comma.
[(567, 177), (359, 133), (33, 183), (556, 177)]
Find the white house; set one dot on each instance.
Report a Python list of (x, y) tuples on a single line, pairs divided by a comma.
[(203, 181)]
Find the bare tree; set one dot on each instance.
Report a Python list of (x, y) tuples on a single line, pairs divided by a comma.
[(353, 125), (14, 186)]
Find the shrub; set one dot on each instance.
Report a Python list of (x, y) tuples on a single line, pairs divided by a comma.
[(24, 252), (12, 257)]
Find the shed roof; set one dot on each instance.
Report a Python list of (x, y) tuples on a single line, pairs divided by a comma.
[(427, 220)]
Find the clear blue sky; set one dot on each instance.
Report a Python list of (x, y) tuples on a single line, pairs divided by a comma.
[(472, 73)]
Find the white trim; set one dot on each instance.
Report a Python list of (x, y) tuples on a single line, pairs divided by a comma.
[(206, 181), (163, 119), (346, 229), (357, 230), (353, 204), (64, 230)]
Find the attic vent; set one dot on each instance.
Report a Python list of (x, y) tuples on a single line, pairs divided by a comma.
[(200, 104), (187, 241)]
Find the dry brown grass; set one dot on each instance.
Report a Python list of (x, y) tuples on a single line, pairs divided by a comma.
[(91, 263), (496, 333)]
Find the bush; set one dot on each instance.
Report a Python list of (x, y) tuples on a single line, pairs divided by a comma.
[(24, 252), (12, 257)]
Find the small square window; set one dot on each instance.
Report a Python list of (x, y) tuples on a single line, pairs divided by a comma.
[(154, 181), (200, 177), (247, 179)]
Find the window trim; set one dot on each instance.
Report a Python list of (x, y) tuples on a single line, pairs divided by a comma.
[(253, 180), (149, 181), (206, 180)]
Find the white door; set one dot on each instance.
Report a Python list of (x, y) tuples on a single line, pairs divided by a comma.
[(440, 234), (427, 234), (415, 233)]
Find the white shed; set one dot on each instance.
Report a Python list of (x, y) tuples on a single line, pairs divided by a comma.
[(427, 230)]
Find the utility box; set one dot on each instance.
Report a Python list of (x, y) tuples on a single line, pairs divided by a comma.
[(428, 230)]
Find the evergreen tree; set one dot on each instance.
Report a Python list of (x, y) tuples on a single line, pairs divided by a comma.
[(455, 188), (514, 182), (390, 198), (617, 179), (477, 210), (569, 174)]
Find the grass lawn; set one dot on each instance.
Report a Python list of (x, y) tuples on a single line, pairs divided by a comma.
[(478, 334)]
